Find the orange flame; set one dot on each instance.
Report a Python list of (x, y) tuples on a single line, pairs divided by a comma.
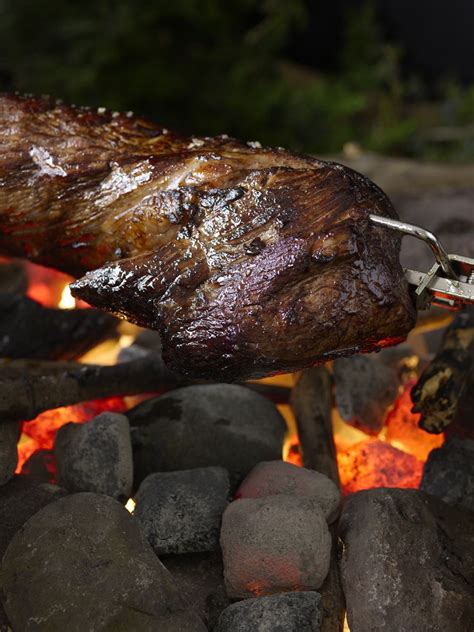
[(39, 433), (393, 459), (403, 432)]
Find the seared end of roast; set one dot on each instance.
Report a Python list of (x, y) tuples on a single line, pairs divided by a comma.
[(276, 273)]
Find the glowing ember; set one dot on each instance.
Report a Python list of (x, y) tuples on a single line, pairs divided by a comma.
[(403, 432), (39, 433), (373, 463), (393, 459), (291, 451)]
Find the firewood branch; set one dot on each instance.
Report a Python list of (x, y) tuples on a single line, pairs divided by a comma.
[(29, 388), (311, 401), (29, 330), (440, 388)]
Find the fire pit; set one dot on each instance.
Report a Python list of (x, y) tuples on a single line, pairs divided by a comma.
[(289, 499)]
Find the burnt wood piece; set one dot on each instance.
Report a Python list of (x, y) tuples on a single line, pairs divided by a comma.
[(312, 401), (29, 388), (441, 386), (29, 330), (249, 261), (13, 278), (9, 435)]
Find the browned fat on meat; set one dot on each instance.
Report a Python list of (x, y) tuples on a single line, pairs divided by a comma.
[(249, 261)]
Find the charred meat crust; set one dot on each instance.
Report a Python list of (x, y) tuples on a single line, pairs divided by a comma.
[(249, 261)]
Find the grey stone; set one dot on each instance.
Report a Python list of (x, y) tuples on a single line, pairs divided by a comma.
[(20, 499), (274, 544), (449, 473), (407, 563), (285, 612), (149, 339), (96, 456), (365, 390), (277, 477), (9, 435), (394, 357), (81, 563), (131, 353), (181, 512), (200, 581), (200, 426)]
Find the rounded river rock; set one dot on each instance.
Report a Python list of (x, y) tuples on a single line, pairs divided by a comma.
[(81, 564), (200, 426)]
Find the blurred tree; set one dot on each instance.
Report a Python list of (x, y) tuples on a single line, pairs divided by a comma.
[(208, 67)]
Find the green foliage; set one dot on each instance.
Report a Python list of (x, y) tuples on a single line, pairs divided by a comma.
[(208, 67)]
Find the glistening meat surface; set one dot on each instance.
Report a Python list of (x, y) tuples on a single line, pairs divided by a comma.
[(249, 261)]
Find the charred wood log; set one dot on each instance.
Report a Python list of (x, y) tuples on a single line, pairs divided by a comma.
[(439, 390), (13, 278), (29, 330), (311, 401), (29, 388), (9, 435)]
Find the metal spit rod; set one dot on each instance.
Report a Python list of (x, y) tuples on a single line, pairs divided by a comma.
[(427, 236), (449, 283)]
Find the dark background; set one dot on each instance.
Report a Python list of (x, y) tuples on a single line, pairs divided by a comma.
[(395, 76)]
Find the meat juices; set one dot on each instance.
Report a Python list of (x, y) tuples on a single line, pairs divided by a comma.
[(249, 261)]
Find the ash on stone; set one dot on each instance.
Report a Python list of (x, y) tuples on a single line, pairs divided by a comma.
[(96, 456), (82, 563), (277, 477), (449, 473), (285, 612), (9, 435), (181, 512), (407, 562), (365, 390), (274, 544), (205, 425)]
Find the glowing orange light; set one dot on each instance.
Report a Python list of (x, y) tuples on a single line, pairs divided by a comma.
[(291, 451), (39, 433), (403, 432), (373, 463)]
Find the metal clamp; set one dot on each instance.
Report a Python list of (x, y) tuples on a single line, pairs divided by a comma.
[(450, 281)]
